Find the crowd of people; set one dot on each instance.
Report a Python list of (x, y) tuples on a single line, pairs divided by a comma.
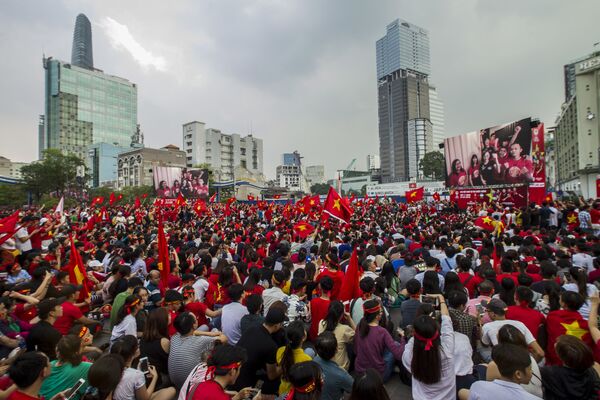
[(249, 307)]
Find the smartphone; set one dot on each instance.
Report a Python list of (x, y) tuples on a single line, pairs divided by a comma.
[(479, 308), (73, 391), (256, 390), (429, 299), (143, 364)]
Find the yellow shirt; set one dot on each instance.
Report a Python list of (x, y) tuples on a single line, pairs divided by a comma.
[(299, 356)]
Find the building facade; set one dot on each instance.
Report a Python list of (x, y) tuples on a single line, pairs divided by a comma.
[(437, 118), (405, 46), (135, 167), (315, 174), (292, 178), (81, 53), (373, 162), (101, 163), (11, 169), (222, 152), (550, 157), (291, 158), (577, 134)]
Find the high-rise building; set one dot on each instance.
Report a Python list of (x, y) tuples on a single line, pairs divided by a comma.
[(83, 105), (405, 125), (577, 133), (315, 174), (291, 158), (81, 52), (436, 116), (405, 46), (373, 162), (222, 152)]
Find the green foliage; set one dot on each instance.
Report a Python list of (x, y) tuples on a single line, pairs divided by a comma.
[(319, 188), (12, 195), (129, 193), (432, 165), (55, 173)]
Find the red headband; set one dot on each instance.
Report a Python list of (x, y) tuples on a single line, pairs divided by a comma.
[(210, 371), (133, 304), (372, 309), (428, 341), (308, 388)]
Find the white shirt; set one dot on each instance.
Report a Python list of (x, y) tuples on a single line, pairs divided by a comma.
[(270, 296), (200, 288), (463, 353), (446, 388), (23, 246), (587, 305), (499, 390), (583, 260), (127, 327), (489, 331), (231, 318)]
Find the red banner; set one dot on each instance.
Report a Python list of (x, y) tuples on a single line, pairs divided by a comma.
[(513, 196), (537, 188)]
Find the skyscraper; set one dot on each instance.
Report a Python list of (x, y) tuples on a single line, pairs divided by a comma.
[(436, 115), (405, 131), (81, 52)]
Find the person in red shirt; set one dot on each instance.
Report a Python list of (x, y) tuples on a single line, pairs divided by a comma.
[(319, 306), (28, 372), (469, 281), (522, 311), (223, 369), (71, 313), (199, 309), (332, 271), (172, 303)]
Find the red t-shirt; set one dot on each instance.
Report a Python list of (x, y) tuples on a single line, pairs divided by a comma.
[(210, 390), (71, 313), (199, 310), (16, 395), (337, 277), (23, 314), (499, 278), (472, 281), (531, 318), (318, 310), (171, 328)]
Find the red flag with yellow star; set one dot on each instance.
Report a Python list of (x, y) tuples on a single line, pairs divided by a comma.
[(565, 322), (164, 263), (76, 269), (336, 207), (200, 207), (414, 195), (485, 222), (303, 229), (180, 201), (8, 226)]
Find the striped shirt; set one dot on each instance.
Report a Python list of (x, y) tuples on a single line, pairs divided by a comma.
[(185, 353)]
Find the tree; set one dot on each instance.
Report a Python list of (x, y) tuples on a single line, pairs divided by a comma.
[(12, 195), (432, 165), (319, 188), (55, 172)]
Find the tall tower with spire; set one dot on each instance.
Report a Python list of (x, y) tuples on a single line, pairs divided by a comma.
[(81, 53)]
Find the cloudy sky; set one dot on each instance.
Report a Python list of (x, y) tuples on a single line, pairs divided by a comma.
[(299, 73)]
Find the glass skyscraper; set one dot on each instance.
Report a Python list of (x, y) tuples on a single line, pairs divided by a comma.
[(405, 46), (81, 52)]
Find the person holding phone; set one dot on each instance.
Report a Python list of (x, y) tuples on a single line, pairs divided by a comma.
[(28, 373), (68, 369)]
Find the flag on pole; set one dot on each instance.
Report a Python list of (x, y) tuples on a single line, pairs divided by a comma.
[(303, 229), (112, 199), (164, 265), (97, 200), (180, 201), (414, 195), (76, 270), (336, 207), (350, 289), (251, 198), (200, 207), (213, 198), (60, 207)]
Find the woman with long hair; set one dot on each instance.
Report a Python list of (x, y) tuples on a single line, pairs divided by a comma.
[(577, 282), (368, 385), (292, 353), (133, 381), (474, 173), (252, 284), (428, 356), (509, 334), (334, 322), (507, 291), (155, 343), (452, 283), (458, 175), (67, 369), (306, 380), (489, 168), (374, 345), (431, 283), (103, 377), (126, 323), (392, 284)]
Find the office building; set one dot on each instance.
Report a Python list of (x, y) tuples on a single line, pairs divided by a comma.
[(291, 158), (577, 133), (405, 46), (85, 106), (292, 177), (101, 163), (136, 166), (81, 52), (11, 169), (222, 152), (436, 116), (550, 157), (315, 174), (373, 162)]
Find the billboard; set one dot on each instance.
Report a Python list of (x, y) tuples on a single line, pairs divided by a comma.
[(500, 155), (169, 182)]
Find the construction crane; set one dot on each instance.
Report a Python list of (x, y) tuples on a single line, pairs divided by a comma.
[(349, 167)]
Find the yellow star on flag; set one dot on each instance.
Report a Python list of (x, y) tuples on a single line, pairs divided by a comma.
[(571, 219), (487, 220), (574, 329), (336, 204), (301, 228), (312, 202), (490, 195), (413, 194)]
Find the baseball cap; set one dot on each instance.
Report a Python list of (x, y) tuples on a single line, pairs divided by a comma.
[(45, 306), (275, 315), (496, 306)]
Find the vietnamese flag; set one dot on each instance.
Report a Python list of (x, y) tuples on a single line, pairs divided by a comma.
[(77, 274), (485, 222), (228, 206), (303, 229), (212, 198), (180, 201), (565, 322), (573, 220), (200, 207), (137, 203), (315, 201), (414, 195), (336, 207), (112, 199), (436, 196), (8, 226), (350, 289), (119, 197), (277, 196), (251, 198), (164, 264), (91, 222), (97, 200)]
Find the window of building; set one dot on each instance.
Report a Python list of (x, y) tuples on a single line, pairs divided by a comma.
[(188, 143)]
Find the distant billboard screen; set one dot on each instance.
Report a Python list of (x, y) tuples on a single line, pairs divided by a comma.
[(500, 155), (170, 181)]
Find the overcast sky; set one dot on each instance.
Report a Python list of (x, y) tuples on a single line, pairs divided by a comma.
[(299, 73)]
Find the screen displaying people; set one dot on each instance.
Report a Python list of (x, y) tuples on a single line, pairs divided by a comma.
[(170, 182)]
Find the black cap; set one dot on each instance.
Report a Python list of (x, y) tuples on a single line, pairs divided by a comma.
[(45, 306), (496, 306), (275, 315), (68, 290)]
